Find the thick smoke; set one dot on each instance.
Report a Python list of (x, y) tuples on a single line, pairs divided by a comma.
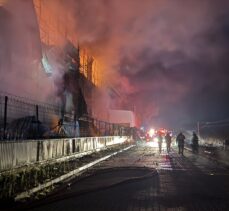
[(167, 59), (21, 54), (20, 48)]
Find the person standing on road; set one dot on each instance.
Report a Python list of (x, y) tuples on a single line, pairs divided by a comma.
[(168, 140), (159, 142), (195, 143), (180, 140)]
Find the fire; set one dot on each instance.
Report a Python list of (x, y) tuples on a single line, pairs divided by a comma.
[(90, 67), (54, 32)]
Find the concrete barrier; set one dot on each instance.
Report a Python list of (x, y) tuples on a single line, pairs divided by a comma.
[(14, 154)]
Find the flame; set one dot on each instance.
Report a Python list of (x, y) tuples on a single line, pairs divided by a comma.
[(90, 67), (54, 31)]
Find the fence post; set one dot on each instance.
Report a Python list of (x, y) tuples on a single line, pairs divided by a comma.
[(5, 117), (109, 129), (198, 129), (37, 120), (99, 128), (38, 150), (112, 129), (105, 128)]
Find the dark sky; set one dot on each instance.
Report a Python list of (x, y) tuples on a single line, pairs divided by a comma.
[(180, 88)]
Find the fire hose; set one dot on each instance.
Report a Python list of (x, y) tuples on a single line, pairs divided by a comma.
[(148, 173)]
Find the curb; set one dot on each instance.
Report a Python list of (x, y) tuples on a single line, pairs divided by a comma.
[(152, 173), (75, 172)]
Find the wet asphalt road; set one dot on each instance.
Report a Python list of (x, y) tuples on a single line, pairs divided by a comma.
[(192, 182)]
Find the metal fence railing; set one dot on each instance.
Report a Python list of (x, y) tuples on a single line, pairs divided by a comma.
[(22, 118)]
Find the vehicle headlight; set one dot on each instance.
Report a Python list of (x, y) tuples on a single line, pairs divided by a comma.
[(155, 139)]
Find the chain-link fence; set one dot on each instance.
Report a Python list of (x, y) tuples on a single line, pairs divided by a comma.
[(22, 118)]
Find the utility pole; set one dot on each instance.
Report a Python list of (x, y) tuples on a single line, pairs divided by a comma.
[(198, 129), (5, 117)]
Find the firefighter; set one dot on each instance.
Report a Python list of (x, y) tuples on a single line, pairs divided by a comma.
[(159, 142), (195, 143), (168, 140), (180, 140)]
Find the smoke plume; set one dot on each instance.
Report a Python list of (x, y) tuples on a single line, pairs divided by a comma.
[(167, 59)]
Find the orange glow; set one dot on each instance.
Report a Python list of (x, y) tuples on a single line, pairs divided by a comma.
[(2, 2), (162, 131), (55, 32), (52, 23), (90, 67)]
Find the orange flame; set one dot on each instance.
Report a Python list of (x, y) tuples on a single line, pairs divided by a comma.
[(54, 31)]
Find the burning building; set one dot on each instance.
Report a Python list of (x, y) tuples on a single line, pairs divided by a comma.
[(60, 45), (45, 60)]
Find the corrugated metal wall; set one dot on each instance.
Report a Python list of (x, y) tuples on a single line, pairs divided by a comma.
[(18, 153)]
